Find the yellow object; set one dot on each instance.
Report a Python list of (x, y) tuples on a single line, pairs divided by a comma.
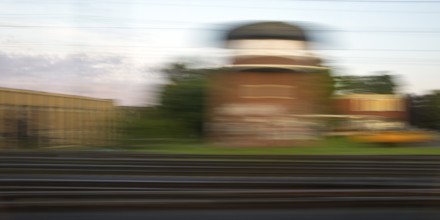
[(394, 137)]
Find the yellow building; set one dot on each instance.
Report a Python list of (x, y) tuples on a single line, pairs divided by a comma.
[(33, 119)]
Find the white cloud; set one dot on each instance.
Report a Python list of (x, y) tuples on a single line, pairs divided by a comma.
[(109, 77)]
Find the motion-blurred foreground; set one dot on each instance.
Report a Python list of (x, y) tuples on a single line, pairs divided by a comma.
[(50, 185)]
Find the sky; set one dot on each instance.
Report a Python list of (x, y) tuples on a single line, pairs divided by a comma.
[(114, 49)]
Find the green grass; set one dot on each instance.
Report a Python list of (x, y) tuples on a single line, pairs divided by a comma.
[(330, 146)]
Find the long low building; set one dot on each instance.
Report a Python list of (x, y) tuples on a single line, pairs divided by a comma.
[(36, 119), (373, 111)]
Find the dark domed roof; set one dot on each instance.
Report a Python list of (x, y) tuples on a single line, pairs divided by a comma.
[(267, 30)]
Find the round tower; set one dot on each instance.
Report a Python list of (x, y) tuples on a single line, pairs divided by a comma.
[(271, 90)]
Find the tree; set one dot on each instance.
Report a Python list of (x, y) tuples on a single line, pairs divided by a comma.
[(148, 124), (179, 114), (180, 72), (380, 83), (183, 99), (425, 110)]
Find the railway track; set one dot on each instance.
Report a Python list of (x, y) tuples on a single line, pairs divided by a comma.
[(105, 180)]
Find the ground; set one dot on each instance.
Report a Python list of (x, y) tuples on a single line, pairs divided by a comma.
[(328, 146)]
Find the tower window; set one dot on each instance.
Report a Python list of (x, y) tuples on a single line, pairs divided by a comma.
[(267, 91)]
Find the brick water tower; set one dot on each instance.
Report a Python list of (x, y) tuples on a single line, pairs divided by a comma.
[(271, 92)]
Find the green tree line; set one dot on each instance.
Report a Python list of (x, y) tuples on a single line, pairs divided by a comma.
[(181, 111)]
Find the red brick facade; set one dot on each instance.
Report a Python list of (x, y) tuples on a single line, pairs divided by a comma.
[(252, 108)]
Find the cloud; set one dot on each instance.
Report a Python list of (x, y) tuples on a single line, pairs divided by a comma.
[(109, 77)]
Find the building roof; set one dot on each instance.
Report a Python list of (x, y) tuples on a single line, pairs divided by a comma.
[(34, 92), (268, 67), (369, 96), (267, 30)]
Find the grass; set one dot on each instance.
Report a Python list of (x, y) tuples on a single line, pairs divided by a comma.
[(329, 146)]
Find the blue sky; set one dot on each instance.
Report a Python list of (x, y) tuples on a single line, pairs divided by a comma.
[(113, 48)]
